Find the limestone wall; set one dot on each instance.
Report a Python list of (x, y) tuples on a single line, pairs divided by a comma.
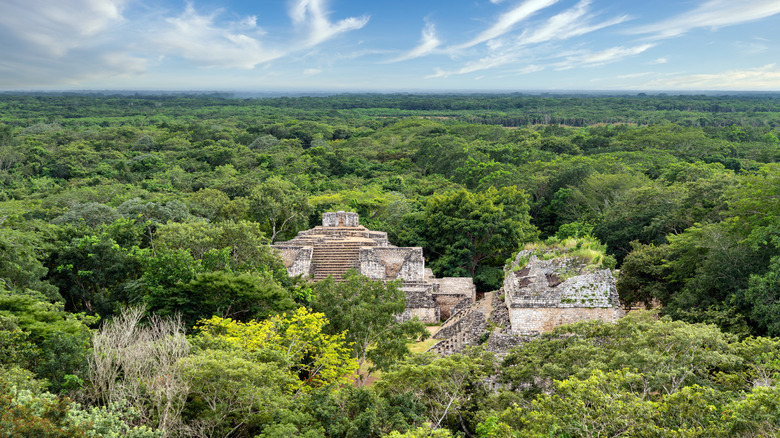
[(501, 343), (595, 289), (297, 259), (380, 237), (370, 265), (463, 286), (391, 263), (424, 314), (537, 320), (448, 302), (340, 219), (562, 290)]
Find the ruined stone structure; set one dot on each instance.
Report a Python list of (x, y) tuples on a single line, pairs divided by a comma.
[(544, 294), (538, 295), (341, 243)]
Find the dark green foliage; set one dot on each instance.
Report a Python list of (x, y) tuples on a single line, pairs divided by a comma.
[(683, 190), (20, 263), (465, 230), (91, 273), (43, 338), (359, 412), (229, 295)]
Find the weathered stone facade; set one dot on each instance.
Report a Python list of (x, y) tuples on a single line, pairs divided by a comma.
[(544, 294), (450, 292), (341, 243), (538, 295)]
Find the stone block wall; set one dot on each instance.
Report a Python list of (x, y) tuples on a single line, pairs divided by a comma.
[(380, 237), (538, 320), (297, 259), (424, 314), (501, 343), (340, 219), (448, 302), (596, 289), (463, 286), (392, 263), (562, 290)]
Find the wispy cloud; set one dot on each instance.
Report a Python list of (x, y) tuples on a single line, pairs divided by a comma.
[(486, 63), (752, 47), (208, 42), (507, 21), (634, 75), (613, 54), (311, 14), (762, 78), (428, 44), (570, 23), (573, 22), (199, 39), (712, 14)]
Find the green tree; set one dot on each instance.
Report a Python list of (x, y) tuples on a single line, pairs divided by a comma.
[(91, 273), (238, 296), (465, 231), (20, 263), (44, 338), (279, 206), (668, 354), (232, 396), (445, 385), (248, 245), (604, 404), (366, 311)]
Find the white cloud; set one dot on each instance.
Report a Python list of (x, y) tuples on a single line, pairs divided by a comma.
[(312, 71), (762, 78), (197, 38), (634, 75), (481, 64), (428, 44), (613, 54), (57, 27), (311, 14), (570, 23), (507, 21), (712, 14), (660, 61)]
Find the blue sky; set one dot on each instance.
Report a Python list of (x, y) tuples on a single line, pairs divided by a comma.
[(401, 45)]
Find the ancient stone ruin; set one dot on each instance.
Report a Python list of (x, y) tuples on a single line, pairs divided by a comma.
[(543, 289), (544, 294), (341, 243)]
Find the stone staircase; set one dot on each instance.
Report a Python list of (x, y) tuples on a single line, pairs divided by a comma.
[(335, 257), (464, 327)]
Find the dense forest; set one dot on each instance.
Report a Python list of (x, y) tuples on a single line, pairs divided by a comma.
[(139, 296)]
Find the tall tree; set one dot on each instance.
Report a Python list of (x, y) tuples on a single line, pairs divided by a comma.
[(366, 310), (464, 230), (279, 206)]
